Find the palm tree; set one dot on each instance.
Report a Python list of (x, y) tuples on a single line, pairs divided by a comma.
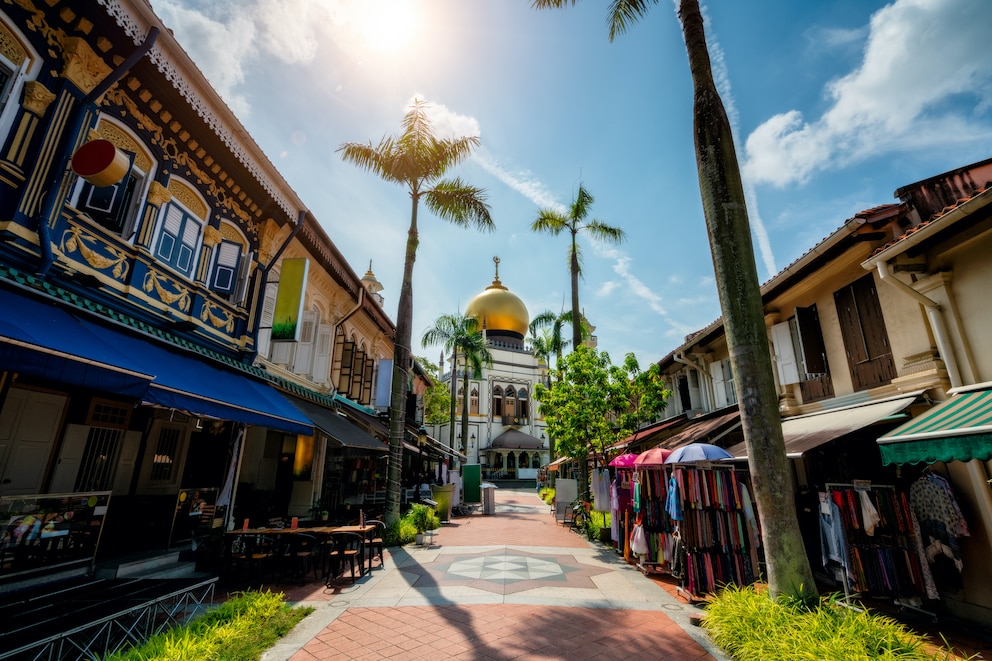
[(729, 233), (462, 336), (552, 324), (553, 221), (417, 160)]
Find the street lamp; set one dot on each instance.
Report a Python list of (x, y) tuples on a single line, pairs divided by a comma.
[(421, 442)]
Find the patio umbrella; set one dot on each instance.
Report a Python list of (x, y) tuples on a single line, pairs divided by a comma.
[(652, 457), (623, 460), (697, 452)]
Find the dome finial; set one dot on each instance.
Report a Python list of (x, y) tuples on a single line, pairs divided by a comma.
[(496, 283)]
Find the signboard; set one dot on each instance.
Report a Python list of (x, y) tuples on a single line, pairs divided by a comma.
[(289, 299), (40, 533)]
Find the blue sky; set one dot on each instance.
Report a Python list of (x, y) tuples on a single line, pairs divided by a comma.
[(834, 106)]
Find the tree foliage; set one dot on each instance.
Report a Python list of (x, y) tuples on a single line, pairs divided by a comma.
[(593, 404), (437, 398)]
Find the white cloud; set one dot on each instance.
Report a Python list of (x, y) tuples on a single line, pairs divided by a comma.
[(523, 182), (607, 288), (924, 76)]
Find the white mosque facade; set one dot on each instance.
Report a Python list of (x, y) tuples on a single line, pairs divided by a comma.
[(506, 435)]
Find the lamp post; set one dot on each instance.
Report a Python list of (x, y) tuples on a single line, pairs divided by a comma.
[(421, 442)]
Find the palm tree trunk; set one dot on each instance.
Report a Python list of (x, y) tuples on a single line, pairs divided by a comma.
[(454, 395), (740, 299), (401, 367), (576, 317)]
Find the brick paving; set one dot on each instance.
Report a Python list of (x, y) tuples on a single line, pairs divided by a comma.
[(514, 585)]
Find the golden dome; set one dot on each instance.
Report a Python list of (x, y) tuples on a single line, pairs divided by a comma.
[(498, 309)]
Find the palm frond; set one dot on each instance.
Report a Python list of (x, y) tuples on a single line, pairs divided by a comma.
[(580, 207), (624, 13), (605, 232), (549, 221), (461, 204), (552, 4)]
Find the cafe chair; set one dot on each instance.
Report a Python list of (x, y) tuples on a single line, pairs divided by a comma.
[(251, 555), (346, 547), (301, 556), (375, 541)]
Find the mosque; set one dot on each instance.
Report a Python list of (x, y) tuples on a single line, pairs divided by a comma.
[(507, 436)]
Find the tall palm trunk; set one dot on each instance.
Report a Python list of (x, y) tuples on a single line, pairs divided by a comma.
[(576, 317), (464, 449), (401, 366), (740, 299)]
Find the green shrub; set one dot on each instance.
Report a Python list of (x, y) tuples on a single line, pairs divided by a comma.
[(240, 629), (423, 518), (751, 626)]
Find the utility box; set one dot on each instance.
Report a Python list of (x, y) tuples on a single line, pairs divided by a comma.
[(471, 480), (488, 498)]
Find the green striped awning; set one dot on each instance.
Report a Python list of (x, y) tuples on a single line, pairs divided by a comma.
[(959, 429)]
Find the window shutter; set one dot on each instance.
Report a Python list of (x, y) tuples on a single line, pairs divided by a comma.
[(814, 353), (347, 358), (785, 355), (719, 387), (357, 369), (265, 323), (367, 379), (226, 267), (304, 348), (322, 359)]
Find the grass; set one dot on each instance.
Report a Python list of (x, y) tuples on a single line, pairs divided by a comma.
[(748, 625), (240, 629)]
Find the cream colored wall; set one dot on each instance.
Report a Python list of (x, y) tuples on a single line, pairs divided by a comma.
[(971, 278)]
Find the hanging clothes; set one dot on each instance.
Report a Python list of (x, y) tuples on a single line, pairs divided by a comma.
[(868, 513)]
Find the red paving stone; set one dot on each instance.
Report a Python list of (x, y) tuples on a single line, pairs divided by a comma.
[(503, 630)]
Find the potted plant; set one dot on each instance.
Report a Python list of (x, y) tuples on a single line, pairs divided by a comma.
[(319, 511), (423, 519)]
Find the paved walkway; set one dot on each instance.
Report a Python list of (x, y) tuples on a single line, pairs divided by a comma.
[(514, 585)]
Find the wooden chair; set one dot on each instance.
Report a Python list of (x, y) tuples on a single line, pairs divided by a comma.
[(301, 555), (375, 543), (251, 556), (346, 547)]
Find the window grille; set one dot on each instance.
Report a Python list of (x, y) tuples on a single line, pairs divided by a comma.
[(163, 461), (96, 469)]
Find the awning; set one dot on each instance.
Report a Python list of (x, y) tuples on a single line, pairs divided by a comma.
[(52, 342), (959, 429), (337, 426), (48, 342), (805, 432), (645, 435), (703, 430), (553, 466)]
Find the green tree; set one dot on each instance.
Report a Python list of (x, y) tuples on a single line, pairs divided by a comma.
[(418, 160), (437, 399), (462, 335), (592, 404), (736, 274), (554, 222)]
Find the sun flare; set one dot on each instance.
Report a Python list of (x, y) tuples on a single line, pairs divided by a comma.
[(386, 26)]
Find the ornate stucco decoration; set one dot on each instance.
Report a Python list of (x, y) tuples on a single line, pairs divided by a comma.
[(137, 29), (158, 194), (185, 196), (217, 316), (267, 241), (211, 236), (157, 282), (10, 46), (76, 239), (37, 98), (83, 68)]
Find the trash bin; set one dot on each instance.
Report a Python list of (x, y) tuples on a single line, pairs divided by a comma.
[(442, 494), (488, 498)]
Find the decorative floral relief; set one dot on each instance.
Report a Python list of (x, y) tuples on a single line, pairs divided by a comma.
[(76, 240), (155, 281), (209, 313)]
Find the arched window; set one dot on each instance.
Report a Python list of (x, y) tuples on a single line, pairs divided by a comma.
[(510, 405), (181, 228), (497, 410), (511, 461), (523, 406), (524, 460), (535, 461), (473, 402)]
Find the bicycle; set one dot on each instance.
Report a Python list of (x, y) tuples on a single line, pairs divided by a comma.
[(581, 517)]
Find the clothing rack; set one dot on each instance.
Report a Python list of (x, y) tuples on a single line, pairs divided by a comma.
[(906, 533)]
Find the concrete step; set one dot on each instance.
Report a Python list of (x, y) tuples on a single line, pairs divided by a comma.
[(154, 564)]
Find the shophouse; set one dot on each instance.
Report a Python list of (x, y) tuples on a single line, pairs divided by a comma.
[(881, 324), (148, 389)]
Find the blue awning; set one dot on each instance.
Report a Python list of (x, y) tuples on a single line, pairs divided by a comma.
[(51, 342), (187, 383), (45, 341)]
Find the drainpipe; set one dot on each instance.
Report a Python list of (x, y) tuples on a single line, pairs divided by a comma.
[(69, 139), (935, 317), (264, 275)]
